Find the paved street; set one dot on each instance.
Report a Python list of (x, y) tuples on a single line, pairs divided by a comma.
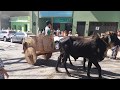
[(18, 68)]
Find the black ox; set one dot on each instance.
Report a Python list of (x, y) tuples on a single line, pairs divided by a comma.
[(95, 49)]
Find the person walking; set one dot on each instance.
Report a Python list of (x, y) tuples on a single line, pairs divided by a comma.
[(115, 49), (2, 70)]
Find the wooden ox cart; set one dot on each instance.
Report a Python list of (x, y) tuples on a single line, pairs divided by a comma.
[(38, 45)]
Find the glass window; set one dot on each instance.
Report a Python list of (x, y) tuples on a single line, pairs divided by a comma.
[(19, 33), (12, 32), (4, 32)]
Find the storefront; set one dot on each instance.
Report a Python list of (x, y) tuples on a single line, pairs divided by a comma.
[(59, 19), (86, 22)]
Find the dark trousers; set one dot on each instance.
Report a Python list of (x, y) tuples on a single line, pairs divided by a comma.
[(115, 51)]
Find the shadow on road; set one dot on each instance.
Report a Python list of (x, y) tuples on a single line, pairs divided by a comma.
[(18, 61), (2, 49), (78, 70)]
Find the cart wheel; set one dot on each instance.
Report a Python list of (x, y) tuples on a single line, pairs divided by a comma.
[(47, 56), (30, 55)]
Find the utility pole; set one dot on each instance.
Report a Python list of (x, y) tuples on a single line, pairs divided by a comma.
[(34, 21)]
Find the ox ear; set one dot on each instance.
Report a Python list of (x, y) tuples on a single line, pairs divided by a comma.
[(103, 35), (97, 35)]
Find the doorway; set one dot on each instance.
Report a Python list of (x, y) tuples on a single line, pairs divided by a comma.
[(25, 28), (80, 28)]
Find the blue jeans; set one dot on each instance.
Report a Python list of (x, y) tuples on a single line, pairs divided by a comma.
[(114, 52)]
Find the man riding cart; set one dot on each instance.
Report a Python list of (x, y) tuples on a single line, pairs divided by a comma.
[(39, 45)]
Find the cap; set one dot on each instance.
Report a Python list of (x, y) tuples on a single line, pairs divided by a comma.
[(48, 22)]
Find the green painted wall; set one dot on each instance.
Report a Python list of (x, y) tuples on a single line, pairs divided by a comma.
[(15, 19), (90, 16), (20, 23)]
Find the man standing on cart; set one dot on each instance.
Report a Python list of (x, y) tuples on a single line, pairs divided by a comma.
[(48, 28)]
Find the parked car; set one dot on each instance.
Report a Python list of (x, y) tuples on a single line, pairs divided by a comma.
[(20, 36), (6, 34), (56, 40)]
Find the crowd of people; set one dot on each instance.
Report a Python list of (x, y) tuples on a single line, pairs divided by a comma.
[(49, 30)]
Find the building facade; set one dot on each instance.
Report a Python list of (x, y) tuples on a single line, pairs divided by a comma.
[(59, 19), (86, 22), (5, 17), (21, 23)]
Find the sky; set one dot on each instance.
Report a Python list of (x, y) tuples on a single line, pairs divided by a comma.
[(55, 13)]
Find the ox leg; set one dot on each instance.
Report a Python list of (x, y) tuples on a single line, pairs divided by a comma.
[(84, 60), (70, 61), (89, 67), (59, 62), (65, 60), (99, 68)]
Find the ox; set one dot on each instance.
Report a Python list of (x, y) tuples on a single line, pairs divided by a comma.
[(94, 49)]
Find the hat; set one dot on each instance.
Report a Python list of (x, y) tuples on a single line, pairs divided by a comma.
[(48, 22)]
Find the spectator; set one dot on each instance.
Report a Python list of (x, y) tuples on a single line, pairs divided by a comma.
[(58, 32), (76, 34), (115, 49), (70, 33), (118, 34), (65, 33), (2, 70)]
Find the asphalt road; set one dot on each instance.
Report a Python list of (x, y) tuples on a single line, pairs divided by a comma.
[(18, 68)]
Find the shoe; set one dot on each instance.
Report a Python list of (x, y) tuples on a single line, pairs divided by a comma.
[(112, 57)]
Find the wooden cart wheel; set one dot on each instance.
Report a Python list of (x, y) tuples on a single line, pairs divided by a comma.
[(47, 56), (30, 55)]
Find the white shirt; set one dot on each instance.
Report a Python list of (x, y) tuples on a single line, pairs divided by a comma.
[(58, 30), (119, 37), (46, 30)]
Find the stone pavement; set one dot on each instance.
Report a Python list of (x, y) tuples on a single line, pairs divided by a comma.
[(18, 68)]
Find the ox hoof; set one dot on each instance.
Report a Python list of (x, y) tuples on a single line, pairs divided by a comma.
[(71, 64), (89, 77), (100, 77), (84, 68), (69, 74), (57, 71)]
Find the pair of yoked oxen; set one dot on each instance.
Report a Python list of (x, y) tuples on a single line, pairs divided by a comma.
[(94, 48)]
